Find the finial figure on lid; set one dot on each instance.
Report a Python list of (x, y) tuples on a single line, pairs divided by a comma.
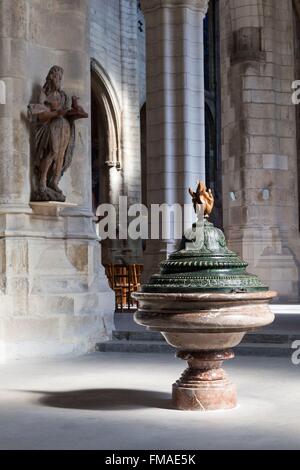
[(202, 197)]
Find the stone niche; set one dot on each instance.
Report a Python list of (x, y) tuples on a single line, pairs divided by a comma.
[(54, 295), (247, 44)]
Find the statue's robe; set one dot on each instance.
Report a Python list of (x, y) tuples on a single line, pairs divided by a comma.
[(48, 134)]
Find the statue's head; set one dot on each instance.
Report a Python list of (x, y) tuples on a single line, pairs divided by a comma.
[(54, 78)]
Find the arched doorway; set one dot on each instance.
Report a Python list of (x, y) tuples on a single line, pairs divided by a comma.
[(106, 149)]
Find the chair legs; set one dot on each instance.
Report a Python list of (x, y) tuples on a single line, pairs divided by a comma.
[(124, 280)]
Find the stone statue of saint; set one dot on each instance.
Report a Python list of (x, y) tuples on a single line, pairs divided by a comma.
[(54, 118)]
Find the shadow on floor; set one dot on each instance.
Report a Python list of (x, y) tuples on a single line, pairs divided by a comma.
[(105, 399)]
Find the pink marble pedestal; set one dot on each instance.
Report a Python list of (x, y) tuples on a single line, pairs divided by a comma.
[(203, 328), (204, 384)]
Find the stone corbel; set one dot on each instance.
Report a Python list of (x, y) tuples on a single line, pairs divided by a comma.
[(152, 5)]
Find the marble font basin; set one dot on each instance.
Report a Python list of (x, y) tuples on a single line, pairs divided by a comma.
[(203, 327)]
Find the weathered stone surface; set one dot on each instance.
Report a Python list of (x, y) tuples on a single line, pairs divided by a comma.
[(259, 140), (54, 294), (42, 289), (175, 107)]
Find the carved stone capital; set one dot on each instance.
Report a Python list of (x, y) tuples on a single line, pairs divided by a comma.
[(152, 5)]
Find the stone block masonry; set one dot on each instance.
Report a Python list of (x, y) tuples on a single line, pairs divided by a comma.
[(259, 139), (54, 296), (115, 45)]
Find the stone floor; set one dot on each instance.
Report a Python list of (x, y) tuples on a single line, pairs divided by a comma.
[(122, 401)]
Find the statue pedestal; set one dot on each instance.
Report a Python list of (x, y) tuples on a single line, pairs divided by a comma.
[(54, 295), (50, 208)]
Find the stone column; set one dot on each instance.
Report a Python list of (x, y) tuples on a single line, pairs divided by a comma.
[(14, 148), (54, 295), (259, 157), (175, 107), (131, 147)]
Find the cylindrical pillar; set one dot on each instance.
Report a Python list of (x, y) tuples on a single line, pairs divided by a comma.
[(14, 149), (259, 154), (175, 106)]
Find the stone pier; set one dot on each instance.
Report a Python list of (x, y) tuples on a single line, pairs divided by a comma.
[(54, 296), (259, 154), (175, 107)]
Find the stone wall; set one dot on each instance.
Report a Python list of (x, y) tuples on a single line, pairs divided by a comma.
[(54, 296), (142, 56), (259, 155), (114, 46)]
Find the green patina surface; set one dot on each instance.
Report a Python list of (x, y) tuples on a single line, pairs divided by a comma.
[(203, 264)]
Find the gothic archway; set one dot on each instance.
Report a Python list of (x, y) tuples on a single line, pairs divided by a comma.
[(106, 146), (106, 135)]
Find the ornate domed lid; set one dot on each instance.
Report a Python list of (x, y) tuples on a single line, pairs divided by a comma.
[(203, 262)]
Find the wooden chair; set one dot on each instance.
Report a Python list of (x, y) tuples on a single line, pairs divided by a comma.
[(121, 277), (124, 280), (135, 276)]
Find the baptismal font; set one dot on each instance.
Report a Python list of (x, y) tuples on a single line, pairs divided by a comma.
[(203, 302)]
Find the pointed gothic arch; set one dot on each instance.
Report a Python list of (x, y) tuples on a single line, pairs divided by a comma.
[(106, 96), (106, 138), (106, 147)]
